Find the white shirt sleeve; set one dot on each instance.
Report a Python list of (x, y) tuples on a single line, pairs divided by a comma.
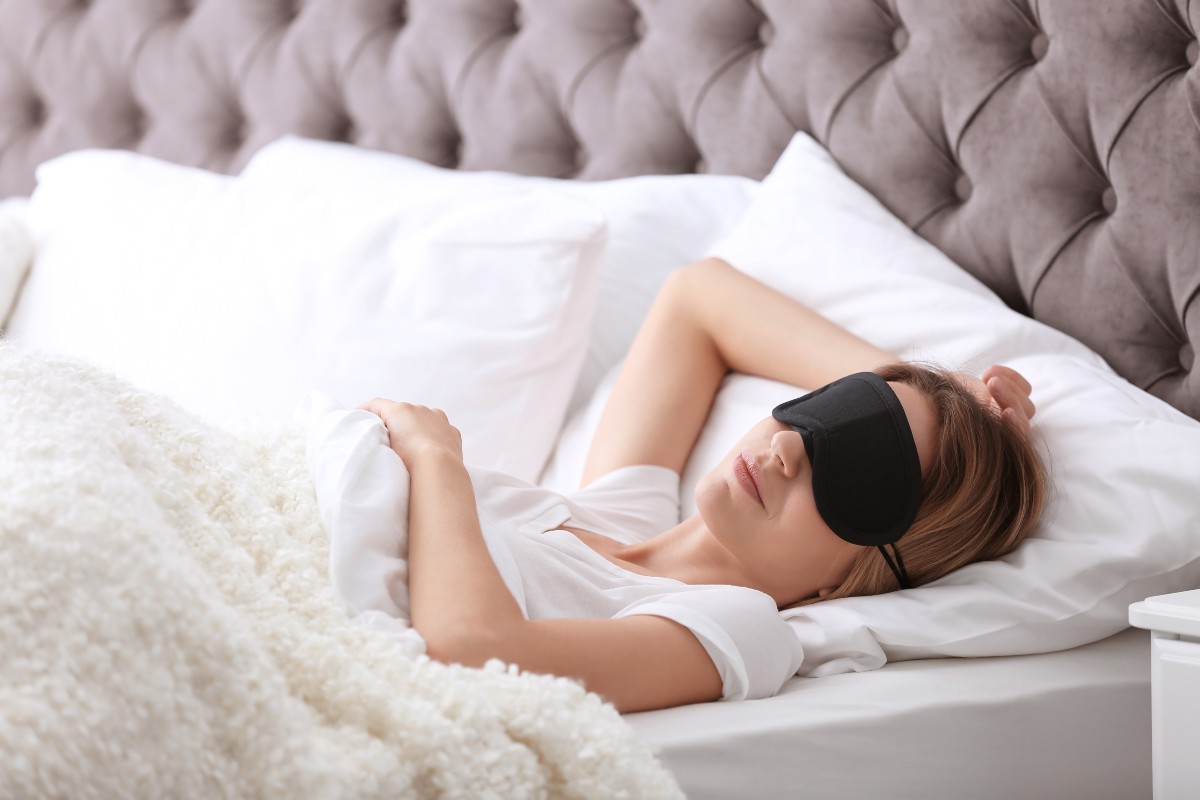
[(630, 504), (752, 647)]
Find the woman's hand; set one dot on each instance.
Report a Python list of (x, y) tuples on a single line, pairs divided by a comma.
[(415, 431), (1006, 390)]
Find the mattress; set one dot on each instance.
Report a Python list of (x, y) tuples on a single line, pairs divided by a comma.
[(1070, 724)]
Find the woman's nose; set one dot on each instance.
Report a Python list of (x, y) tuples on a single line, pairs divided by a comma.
[(788, 447)]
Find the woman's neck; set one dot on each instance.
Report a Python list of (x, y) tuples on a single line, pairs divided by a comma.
[(687, 553)]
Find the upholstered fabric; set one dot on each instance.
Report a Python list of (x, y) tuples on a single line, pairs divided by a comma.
[(1050, 146)]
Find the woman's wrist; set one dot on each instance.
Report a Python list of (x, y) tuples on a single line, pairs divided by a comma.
[(431, 455)]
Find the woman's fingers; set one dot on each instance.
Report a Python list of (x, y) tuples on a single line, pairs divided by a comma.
[(1018, 421), (999, 370), (1009, 388), (1015, 407), (376, 405), (413, 428), (1009, 375)]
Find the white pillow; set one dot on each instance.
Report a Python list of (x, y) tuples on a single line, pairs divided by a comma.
[(655, 223), (239, 298), (16, 251), (1123, 522)]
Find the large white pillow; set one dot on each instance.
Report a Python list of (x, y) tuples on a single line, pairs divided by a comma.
[(1123, 522), (655, 222), (240, 298)]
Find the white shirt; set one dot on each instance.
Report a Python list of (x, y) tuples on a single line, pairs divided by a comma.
[(554, 575), (362, 490)]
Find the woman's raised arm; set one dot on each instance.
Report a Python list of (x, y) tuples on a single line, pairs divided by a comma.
[(710, 319)]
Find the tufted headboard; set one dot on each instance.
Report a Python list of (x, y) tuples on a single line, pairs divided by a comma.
[(1051, 147)]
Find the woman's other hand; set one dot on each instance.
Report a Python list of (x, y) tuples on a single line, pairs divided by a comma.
[(414, 431), (1006, 390)]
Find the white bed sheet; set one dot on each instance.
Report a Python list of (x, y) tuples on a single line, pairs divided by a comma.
[(1071, 724)]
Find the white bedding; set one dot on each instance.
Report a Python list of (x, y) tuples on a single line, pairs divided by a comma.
[(1068, 724), (167, 629), (1065, 725)]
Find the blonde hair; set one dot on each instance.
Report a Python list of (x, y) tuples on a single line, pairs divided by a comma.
[(984, 493)]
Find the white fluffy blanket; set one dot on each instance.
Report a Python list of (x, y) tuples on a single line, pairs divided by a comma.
[(167, 629)]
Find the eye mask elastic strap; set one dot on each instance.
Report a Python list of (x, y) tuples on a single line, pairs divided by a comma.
[(897, 566)]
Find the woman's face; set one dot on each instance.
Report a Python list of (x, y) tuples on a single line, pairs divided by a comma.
[(758, 503)]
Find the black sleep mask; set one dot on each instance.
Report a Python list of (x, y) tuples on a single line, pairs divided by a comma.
[(866, 473)]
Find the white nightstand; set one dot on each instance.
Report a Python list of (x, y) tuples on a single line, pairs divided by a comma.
[(1174, 620)]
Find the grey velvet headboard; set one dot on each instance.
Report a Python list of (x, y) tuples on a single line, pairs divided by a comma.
[(1052, 147)]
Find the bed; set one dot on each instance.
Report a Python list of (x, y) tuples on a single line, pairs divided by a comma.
[(1048, 148)]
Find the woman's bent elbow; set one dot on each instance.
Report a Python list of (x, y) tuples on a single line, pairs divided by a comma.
[(461, 644)]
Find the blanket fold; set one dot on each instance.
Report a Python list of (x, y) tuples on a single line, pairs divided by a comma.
[(168, 629)]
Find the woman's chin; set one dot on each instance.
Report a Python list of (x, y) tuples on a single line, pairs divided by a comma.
[(713, 503), (707, 489)]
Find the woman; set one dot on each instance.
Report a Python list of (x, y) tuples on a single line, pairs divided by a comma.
[(786, 518)]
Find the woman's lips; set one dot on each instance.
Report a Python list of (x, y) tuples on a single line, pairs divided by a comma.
[(745, 469)]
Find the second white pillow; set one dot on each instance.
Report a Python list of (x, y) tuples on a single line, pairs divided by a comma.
[(655, 222), (238, 299)]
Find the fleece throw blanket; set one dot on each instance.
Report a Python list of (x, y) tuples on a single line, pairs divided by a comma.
[(167, 629)]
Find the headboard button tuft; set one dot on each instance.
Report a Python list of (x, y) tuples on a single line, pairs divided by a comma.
[(137, 124), (1108, 199), (1187, 356), (639, 27), (345, 131), (962, 188), (35, 112), (238, 132), (766, 32), (399, 14), (1193, 52), (899, 39), (1038, 46)]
